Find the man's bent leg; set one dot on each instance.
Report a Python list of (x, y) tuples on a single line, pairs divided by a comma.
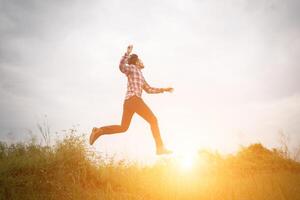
[(126, 119), (144, 111)]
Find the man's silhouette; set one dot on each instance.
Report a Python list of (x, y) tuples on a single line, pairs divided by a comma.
[(131, 66)]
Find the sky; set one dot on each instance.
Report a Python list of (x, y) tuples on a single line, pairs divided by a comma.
[(233, 66)]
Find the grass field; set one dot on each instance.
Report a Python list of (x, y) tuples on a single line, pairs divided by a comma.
[(70, 170)]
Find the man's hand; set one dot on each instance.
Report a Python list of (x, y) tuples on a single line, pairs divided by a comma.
[(129, 49), (168, 89)]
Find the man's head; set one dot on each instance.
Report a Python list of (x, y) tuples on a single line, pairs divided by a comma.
[(134, 60)]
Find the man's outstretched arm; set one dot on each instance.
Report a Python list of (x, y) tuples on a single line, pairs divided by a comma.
[(153, 90)]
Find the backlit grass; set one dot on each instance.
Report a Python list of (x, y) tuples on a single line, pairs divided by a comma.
[(69, 170)]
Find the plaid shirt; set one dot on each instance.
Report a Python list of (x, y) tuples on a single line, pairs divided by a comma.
[(136, 81)]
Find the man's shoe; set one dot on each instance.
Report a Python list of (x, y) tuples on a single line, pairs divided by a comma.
[(96, 132), (162, 151)]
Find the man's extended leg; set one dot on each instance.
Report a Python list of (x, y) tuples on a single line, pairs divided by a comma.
[(145, 112), (128, 112)]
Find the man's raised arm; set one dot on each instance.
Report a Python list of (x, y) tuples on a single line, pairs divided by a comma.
[(123, 68)]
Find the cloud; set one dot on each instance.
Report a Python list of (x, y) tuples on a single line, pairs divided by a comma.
[(61, 58)]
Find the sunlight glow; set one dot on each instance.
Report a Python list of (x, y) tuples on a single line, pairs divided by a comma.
[(185, 158), (186, 162)]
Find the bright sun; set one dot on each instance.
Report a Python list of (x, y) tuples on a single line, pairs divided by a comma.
[(186, 162), (185, 156)]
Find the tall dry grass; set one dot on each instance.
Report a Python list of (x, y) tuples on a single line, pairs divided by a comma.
[(69, 170)]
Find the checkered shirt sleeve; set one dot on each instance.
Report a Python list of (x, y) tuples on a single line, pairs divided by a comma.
[(124, 67), (151, 90)]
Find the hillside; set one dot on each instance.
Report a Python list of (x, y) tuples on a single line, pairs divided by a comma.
[(70, 170)]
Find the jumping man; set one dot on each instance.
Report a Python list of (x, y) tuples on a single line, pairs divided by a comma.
[(131, 66)]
